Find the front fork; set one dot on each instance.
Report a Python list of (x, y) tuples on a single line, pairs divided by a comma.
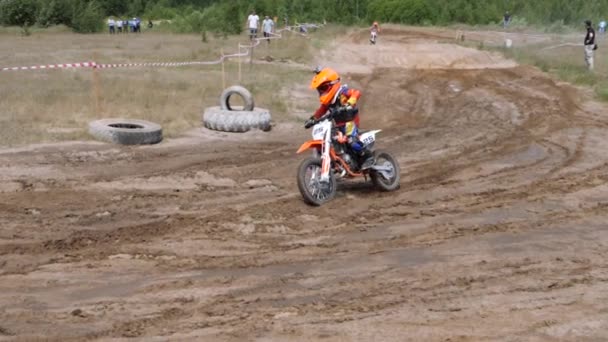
[(325, 158)]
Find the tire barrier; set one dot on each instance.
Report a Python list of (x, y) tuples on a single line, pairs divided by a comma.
[(238, 90), (126, 131), (219, 119), (225, 119)]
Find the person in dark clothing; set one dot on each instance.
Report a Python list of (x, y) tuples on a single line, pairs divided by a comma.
[(506, 20), (589, 44)]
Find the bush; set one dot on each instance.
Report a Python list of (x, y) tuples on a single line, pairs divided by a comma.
[(87, 17), (192, 22), (218, 19), (18, 12), (54, 12), (160, 11)]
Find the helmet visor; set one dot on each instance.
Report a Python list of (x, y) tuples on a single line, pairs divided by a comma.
[(324, 88)]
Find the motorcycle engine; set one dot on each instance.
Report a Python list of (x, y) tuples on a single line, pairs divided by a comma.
[(349, 160)]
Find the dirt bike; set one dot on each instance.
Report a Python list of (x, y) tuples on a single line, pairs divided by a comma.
[(334, 159), (373, 37)]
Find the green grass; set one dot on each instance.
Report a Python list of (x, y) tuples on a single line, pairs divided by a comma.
[(566, 63), (56, 105), (601, 90)]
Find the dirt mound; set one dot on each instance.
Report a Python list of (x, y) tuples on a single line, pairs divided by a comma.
[(405, 49)]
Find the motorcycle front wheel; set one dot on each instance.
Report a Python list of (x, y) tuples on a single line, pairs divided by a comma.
[(312, 189)]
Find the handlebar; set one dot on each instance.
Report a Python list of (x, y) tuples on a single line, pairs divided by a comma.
[(331, 112)]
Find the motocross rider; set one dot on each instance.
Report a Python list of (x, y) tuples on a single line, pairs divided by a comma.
[(337, 96), (374, 29)]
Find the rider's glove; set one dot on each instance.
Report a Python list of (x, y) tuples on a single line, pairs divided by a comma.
[(310, 122), (342, 110)]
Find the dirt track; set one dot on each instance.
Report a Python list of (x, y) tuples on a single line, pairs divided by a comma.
[(497, 233)]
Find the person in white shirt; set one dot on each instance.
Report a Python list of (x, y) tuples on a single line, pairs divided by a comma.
[(111, 25), (119, 26), (268, 27), (252, 22)]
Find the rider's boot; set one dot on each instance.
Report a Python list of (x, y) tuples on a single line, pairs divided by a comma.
[(366, 158)]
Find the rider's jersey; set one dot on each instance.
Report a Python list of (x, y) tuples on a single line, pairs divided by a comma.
[(347, 96)]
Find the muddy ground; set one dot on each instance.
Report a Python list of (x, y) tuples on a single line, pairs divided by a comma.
[(498, 231)]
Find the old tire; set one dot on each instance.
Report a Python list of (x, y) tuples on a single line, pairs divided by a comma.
[(219, 119), (236, 90), (126, 131)]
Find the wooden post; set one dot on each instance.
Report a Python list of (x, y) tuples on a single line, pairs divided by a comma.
[(239, 50), (251, 56), (223, 71), (96, 88)]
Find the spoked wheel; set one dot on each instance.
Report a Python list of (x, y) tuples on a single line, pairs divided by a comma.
[(313, 190), (387, 177)]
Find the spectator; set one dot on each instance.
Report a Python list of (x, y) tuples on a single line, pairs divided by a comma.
[(119, 25), (137, 25), (111, 24), (589, 44), (253, 21), (150, 24), (506, 20), (268, 28), (602, 27)]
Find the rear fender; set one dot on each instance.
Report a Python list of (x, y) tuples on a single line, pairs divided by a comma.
[(311, 144)]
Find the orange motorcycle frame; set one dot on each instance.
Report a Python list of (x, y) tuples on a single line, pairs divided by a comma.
[(318, 145)]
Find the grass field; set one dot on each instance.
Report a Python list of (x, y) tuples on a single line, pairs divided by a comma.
[(46, 106), (564, 59)]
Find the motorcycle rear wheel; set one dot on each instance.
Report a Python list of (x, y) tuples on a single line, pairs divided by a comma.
[(390, 181), (313, 191)]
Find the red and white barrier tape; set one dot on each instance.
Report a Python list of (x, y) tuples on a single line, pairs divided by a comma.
[(94, 65), (53, 66)]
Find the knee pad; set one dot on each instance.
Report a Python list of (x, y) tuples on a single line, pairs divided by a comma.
[(356, 146)]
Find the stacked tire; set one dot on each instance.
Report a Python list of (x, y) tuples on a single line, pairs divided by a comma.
[(225, 118)]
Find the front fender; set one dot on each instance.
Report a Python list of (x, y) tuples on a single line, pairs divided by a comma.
[(310, 144)]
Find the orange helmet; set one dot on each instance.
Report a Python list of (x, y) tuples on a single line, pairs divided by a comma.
[(327, 83)]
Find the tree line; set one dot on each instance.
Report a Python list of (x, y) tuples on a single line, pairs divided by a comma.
[(227, 16)]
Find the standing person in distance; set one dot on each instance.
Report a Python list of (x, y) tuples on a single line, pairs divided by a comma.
[(506, 20), (268, 28), (590, 45), (111, 24), (602, 27), (252, 23)]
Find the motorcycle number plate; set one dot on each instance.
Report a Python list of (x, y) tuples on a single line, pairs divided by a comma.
[(368, 139), (318, 132)]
